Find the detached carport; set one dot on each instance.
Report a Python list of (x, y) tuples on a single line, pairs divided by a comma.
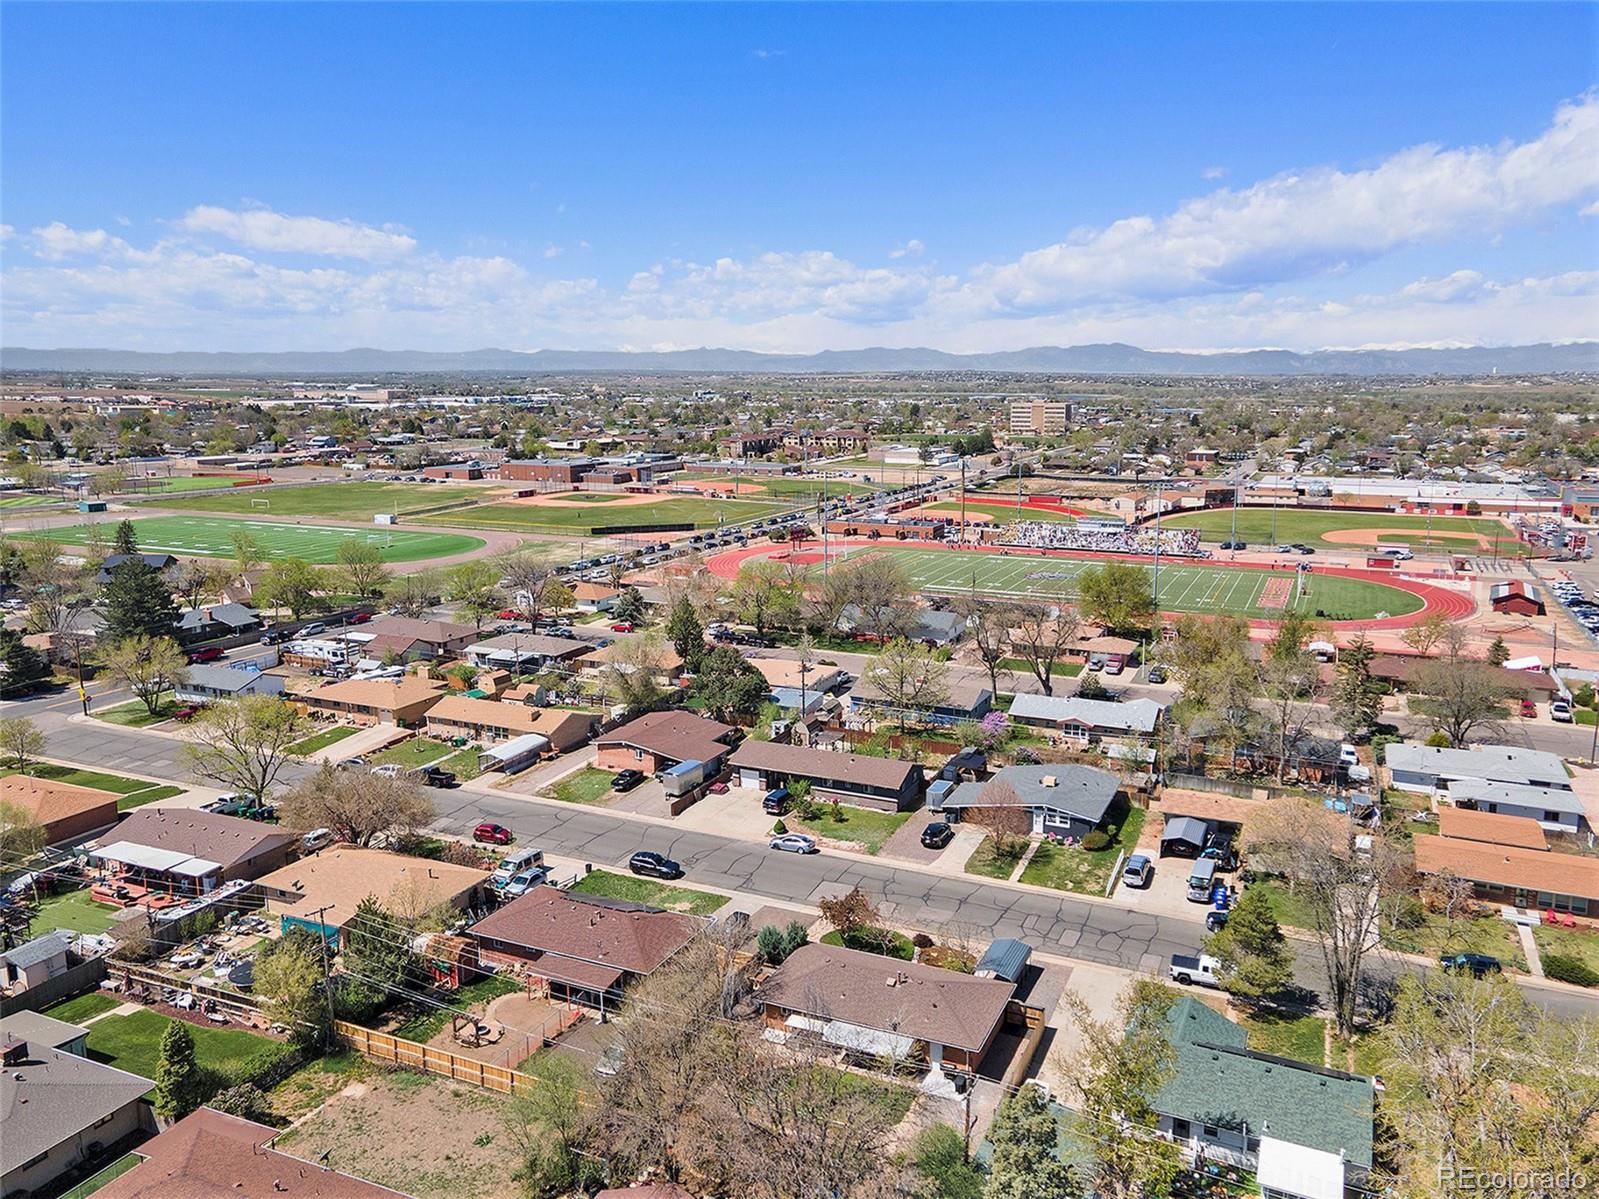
[(1184, 836)]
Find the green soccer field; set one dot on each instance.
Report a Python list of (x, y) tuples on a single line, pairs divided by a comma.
[(341, 501), (1255, 526), (212, 537), (171, 485), (1208, 590), (578, 516)]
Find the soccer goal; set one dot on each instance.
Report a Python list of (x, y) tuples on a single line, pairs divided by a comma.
[(260, 505)]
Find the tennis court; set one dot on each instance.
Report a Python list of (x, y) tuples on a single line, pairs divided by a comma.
[(1209, 590), (340, 501), (212, 537)]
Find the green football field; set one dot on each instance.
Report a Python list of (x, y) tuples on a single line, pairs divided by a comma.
[(28, 501), (171, 485), (578, 514), (1188, 588), (212, 537), (341, 501), (1255, 526)]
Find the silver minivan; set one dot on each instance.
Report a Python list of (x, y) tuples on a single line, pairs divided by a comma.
[(514, 863), (1201, 879)]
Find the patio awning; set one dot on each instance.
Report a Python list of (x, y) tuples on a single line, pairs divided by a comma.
[(146, 857), (867, 1040), (1297, 1170), (574, 973), (195, 868), (799, 1023), (1187, 829)]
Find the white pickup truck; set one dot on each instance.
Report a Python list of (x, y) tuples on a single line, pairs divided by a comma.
[(1191, 970)]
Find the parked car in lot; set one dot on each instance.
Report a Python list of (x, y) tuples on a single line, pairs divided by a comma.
[(937, 835), (491, 833), (1157, 674), (793, 843), (775, 802), (1096, 661), (1478, 965), (656, 865), (188, 713), (1115, 664), (273, 637), (1235, 545), (1139, 871), (626, 780), (361, 618), (209, 653), (1528, 709), (622, 626)]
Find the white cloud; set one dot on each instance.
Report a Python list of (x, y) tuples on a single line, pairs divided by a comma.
[(263, 229), (911, 249), (764, 54), (1213, 172), (6, 233), (56, 241), (553, 251)]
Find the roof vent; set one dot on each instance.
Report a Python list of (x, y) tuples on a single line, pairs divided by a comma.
[(1050, 780)]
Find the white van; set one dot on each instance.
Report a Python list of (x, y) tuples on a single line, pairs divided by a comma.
[(1200, 880), (514, 863)]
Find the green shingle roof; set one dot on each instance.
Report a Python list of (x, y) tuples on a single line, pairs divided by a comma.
[(1220, 1081)]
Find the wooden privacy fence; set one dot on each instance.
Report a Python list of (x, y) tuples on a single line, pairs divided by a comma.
[(432, 1059)]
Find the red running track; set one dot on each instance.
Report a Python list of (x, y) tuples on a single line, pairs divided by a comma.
[(1452, 605)]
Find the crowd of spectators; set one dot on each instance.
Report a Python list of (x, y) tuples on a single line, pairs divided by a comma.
[(1037, 534)]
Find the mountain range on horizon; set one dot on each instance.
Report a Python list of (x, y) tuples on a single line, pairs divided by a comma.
[(1102, 359)]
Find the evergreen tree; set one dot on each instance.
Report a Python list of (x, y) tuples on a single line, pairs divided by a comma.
[(126, 541), (630, 607), (686, 633), (1024, 1165), (1256, 961), (138, 603), (729, 685), (25, 666), (377, 954), (179, 1085), (1357, 696), (1498, 652)]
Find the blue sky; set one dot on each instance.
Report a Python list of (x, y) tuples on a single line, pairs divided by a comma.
[(797, 177)]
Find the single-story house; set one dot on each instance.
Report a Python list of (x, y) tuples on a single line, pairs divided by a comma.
[(1515, 597), (38, 1029), (523, 651), (183, 851), (928, 626), (404, 701), (658, 740), (1305, 1131), (1535, 879), (1399, 672), (594, 597), (887, 784), (153, 561), (425, 638), (588, 947), (1059, 799), (784, 674), (1557, 811), (1089, 721), (1468, 824), (1085, 648), (878, 1008), (217, 620), (209, 1153), (1418, 767), (60, 1110), (65, 810), (338, 879), (492, 720), (33, 962), (206, 683), (963, 700)]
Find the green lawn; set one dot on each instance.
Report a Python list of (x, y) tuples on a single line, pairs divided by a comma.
[(103, 1178), (411, 753), (462, 764), (883, 941), (131, 793), (1437, 936), (320, 741), (177, 484), (986, 862), (562, 514), (589, 785), (135, 714), (74, 910), (83, 1007), (139, 798), (1077, 869), (784, 485), (212, 537), (865, 827), (133, 1043), (1290, 910), (473, 997), (340, 501), (644, 890), (30, 501), (1568, 942), (1063, 669), (1255, 527), (1301, 1038), (892, 1099)]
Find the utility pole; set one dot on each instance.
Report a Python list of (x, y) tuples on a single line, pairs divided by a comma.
[(1235, 519), (327, 972), (963, 499)]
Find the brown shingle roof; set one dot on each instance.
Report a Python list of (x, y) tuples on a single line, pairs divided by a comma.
[(209, 1155), (681, 736), (225, 840), (596, 931), (1491, 828), (434, 632), (560, 726), (48, 801), (385, 694), (1506, 866), (342, 877), (932, 1004), (861, 769)]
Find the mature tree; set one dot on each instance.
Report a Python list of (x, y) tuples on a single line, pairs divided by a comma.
[(1040, 636), (943, 1169), (413, 594), (1425, 635), (882, 595), (475, 586), (729, 686), (193, 584), (686, 578), (989, 625), (1121, 1067), (524, 574), (1459, 695), (630, 606), (21, 742), (1357, 696), (359, 568), (1490, 1086), (764, 595), (58, 594), (851, 913), (558, 597), (179, 1082), (635, 669), (25, 667), (243, 744), (125, 540), (21, 834), (288, 979), (247, 552), (1290, 683), (1025, 1164), (295, 584), (1498, 652), (378, 961), (1118, 595), (358, 807), (687, 633), (912, 678), (147, 666), (550, 1127), (1257, 964), (1309, 846), (137, 602), (1211, 661)]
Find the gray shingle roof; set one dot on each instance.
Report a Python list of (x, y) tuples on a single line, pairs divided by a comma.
[(64, 1094), (1079, 791), (41, 949), (1138, 715), (1494, 763)]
